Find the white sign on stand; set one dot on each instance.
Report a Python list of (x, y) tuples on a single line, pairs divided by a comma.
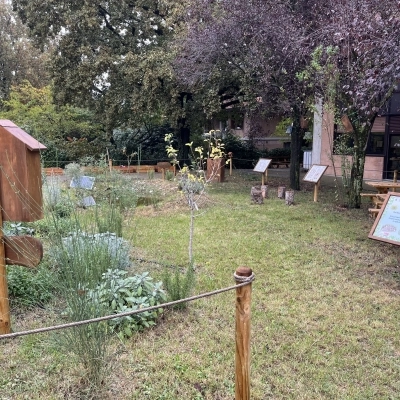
[(262, 166), (314, 175)]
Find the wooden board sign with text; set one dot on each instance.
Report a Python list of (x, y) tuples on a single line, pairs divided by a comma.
[(315, 173), (386, 227), (262, 165)]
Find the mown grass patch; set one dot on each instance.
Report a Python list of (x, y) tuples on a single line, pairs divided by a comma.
[(325, 310)]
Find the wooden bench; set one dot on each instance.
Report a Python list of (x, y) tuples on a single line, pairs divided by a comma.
[(374, 197), (373, 212), (278, 161)]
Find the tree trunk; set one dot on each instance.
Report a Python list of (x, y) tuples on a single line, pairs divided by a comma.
[(295, 151), (357, 169), (183, 137)]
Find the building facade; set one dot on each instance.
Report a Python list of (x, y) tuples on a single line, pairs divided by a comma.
[(383, 148)]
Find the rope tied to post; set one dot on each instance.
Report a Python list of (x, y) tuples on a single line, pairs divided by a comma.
[(244, 275)]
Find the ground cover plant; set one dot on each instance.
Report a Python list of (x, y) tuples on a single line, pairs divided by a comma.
[(325, 308)]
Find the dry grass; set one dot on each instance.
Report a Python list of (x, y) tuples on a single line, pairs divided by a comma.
[(325, 311)]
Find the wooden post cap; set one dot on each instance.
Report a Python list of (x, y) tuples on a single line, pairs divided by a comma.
[(244, 271)]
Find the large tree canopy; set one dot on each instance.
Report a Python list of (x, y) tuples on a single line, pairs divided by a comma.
[(266, 46), (19, 59), (111, 56), (254, 49), (355, 69)]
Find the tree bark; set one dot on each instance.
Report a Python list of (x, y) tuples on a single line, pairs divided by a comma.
[(295, 151), (357, 169)]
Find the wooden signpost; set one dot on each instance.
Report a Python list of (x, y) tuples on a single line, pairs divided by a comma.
[(314, 175), (20, 200), (262, 166), (386, 227)]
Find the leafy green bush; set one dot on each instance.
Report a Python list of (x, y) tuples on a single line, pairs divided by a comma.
[(110, 221), (57, 201), (30, 287), (88, 256), (52, 226), (278, 152), (245, 155), (178, 285), (122, 293)]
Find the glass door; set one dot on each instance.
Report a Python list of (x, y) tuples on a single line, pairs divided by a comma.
[(393, 159)]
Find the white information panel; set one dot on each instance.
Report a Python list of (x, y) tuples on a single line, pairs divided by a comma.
[(386, 227), (315, 173), (262, 165)]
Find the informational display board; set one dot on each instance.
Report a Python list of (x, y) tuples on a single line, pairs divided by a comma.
[(315, 173), (88, 201), (386, 227), (83, 182), (262, 165)]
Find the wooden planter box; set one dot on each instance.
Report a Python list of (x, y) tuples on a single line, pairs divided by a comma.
[(216, 169)]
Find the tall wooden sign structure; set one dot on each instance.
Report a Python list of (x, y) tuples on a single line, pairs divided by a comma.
[(20, 200)]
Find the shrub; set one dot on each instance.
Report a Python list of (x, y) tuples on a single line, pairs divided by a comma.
[(28, 287), (178, 285), (278, 152), (56, 201), (111, 221), (87, 256), (245, 155), (122, 293)]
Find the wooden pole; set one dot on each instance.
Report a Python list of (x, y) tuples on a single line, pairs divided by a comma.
[(242, 355), (316, 192), (266, 175), (395, 176), (230, 163), (4, 304), (110, 164), (263, 179)]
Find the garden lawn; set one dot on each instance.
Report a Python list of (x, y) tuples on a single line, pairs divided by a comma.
[(325, 306)]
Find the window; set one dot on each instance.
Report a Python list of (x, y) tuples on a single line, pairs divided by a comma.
[(237, 121), (376, 143)]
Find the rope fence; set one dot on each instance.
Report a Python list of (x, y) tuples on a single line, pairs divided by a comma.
[(243, 282), (244, 277)]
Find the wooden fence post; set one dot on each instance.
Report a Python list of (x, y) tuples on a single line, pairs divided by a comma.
[(242, 355), (4, 303)]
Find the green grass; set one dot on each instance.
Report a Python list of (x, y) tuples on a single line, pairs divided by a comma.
[(325, 307)]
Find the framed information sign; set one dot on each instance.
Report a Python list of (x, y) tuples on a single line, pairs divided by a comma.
[(82, 182), (315, 173), (386, 227), (262, 165)]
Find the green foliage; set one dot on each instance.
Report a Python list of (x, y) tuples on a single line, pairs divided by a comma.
[(121, 293), (52, 225), (149, 139), (16, 229), (282, 126), (109, 221), (113, 190), (178, 285), (169, 175), (57, 201), (70, 133), (245, 155), (84, 257), (278, 152), (28, 287)]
